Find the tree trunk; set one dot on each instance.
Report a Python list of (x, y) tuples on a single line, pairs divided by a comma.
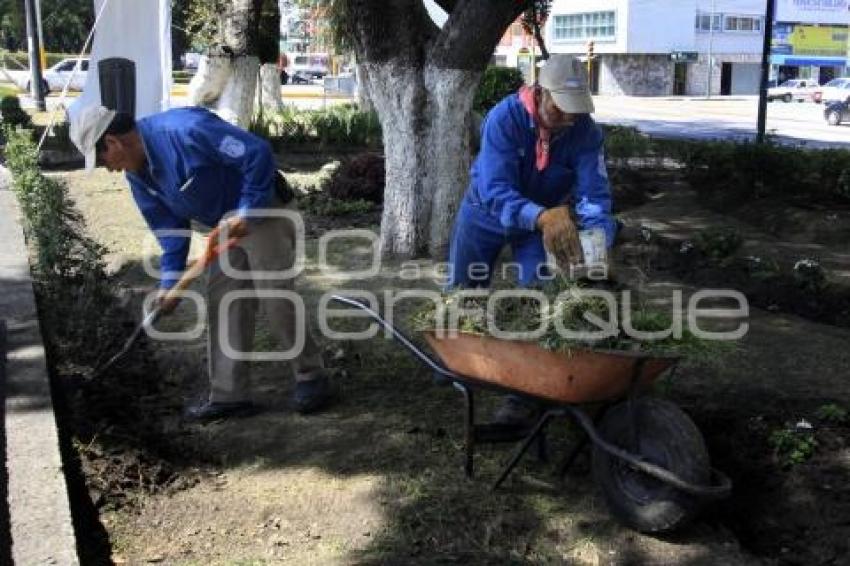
[(424, 117), (236, 103), (227, 76), (268, 89), (422, 80)]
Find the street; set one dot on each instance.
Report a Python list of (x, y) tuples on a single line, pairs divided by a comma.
[(722, 118), (727, 117)]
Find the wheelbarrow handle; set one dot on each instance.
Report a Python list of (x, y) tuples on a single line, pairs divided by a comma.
[(721, 485), (398, 335)]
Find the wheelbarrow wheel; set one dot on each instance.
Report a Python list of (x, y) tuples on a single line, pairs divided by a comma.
[(668, 438)]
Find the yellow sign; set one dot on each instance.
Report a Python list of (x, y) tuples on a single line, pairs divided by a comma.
[(829, 41)]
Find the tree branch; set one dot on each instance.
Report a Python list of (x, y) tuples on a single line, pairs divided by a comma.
[(472, 32), (395, 30)]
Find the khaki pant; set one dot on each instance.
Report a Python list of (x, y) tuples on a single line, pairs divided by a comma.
[(269, 246)]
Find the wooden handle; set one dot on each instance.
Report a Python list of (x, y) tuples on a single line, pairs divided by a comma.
[(193, 271)]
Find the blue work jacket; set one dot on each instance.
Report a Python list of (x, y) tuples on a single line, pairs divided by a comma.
[(199, 167), (505, 180)]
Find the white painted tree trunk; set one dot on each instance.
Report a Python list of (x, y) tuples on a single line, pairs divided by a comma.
[(226, 86), (268, 89), (424, 117), (236, 104), (209, 80)]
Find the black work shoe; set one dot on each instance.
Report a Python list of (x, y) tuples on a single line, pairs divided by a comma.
[(312, 395), (207, 411)]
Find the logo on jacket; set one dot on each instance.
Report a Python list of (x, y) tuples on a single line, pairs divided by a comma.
[(232, 147)]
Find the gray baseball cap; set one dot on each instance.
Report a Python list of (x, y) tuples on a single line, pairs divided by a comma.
[(565, 79)]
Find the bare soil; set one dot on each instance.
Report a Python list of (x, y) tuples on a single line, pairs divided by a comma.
[(378, 479)]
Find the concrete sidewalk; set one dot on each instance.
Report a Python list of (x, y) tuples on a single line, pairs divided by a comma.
[(38, 511)]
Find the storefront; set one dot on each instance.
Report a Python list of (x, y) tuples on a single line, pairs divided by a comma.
[(810, 40)]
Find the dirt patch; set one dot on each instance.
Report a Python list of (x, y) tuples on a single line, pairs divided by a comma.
[(796, 514), (800, 222), (378, 478)]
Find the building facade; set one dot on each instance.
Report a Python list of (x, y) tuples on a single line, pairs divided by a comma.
[(810, 40), (663, 47)]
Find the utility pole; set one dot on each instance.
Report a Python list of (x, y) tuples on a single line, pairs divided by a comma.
[(765, 70), (710, 49), (35, 64), (42, 54)]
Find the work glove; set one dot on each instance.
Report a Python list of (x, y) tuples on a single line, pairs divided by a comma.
[(560, 235)]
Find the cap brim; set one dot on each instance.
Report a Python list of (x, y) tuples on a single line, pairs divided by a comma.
[(573, 102)]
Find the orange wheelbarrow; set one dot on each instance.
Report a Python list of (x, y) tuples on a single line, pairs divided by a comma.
[(649, 458)]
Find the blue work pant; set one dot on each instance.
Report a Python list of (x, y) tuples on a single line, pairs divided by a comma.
[(477, 240)]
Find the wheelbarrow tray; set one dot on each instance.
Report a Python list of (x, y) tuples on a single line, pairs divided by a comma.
[(581, 375)]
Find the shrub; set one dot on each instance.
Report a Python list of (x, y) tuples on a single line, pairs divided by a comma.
[(496, 83), (344, 124), (12, 114), (320, 204), (359, 178), (75, 295), (624, 143)]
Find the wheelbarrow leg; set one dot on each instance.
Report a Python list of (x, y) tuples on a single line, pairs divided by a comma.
[(582, 442), (571, 457), (469, 422), (525, 445)]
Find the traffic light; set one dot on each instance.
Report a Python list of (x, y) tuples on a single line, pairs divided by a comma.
[(590, 50)]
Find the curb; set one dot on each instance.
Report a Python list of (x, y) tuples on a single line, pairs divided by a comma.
[(39, 514)]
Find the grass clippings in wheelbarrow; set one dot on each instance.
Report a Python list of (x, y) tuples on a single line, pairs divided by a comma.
[(590, 320)]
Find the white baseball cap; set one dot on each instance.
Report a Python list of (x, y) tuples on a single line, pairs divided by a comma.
[(565, 79), (87, 126)]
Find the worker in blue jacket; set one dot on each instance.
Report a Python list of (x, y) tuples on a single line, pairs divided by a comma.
[(538, 179), (187, 165)]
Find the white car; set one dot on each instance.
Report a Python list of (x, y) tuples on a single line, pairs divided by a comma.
[(793, 89), (57, 75), (836, 89)]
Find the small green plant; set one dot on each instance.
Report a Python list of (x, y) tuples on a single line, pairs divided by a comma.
[(792, 447), (718, 243), (832, 413), (12, 115), (809, 275), (496, 83), (320, 204)]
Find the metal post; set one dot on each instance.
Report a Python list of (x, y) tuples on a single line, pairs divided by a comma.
[(710, 48), (765, 71), (42, 54), (35, 64)]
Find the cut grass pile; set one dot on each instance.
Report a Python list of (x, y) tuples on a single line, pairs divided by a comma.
[(562, 315)]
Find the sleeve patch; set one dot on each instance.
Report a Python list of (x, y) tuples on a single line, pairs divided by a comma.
[(232, 147)]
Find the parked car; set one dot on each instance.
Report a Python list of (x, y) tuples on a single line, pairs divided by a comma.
[(312, 65), (54, 78), (57, 75), (837, 112), (836, 89), (793, 89)]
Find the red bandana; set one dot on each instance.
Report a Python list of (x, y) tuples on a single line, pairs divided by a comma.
[(529, 101)]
